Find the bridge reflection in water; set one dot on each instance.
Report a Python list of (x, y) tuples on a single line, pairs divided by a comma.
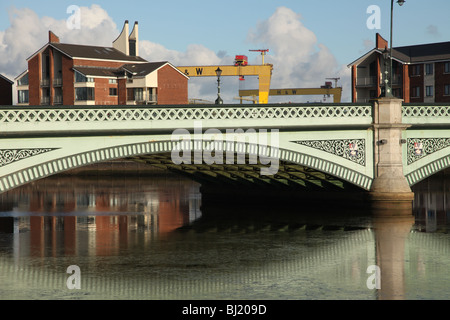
[(150, 238)]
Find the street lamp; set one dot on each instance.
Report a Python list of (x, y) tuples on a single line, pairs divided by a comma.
[(388, 89), (219, 99)]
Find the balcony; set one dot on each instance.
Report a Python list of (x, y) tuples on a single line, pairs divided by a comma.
[(57, 82), (146, 99), (150, 99), (369, 82), (366, 81), (45, 82), (45, 101)]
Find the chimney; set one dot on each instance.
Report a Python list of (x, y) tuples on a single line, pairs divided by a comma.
[(133, 41), (122, 42), (52, 37)]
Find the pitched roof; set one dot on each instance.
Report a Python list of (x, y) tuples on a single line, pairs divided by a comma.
[(3, 77), (143, 69), (94, 52), (90, 52), (414, 54), (425, 52)]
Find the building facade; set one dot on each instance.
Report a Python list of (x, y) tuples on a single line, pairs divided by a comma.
[(69, 74), (420, 73), (6, 89)]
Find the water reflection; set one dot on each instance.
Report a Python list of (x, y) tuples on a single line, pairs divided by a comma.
[(74, 216), (432, 203), (150, 238)]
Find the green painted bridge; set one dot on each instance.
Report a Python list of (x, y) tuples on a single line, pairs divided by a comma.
[(312, 146)]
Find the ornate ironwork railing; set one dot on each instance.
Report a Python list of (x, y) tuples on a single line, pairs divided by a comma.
[(123, 113), (426, 114), (279, 115)]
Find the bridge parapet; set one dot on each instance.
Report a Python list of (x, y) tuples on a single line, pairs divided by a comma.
[(35, 119), (424, 114)]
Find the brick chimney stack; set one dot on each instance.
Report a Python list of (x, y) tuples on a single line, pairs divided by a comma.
[(52, 38)]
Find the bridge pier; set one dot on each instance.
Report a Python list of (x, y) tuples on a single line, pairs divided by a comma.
[(390, 192)]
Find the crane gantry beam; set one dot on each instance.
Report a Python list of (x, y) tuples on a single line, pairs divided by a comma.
[(264, 73), (336, 92)]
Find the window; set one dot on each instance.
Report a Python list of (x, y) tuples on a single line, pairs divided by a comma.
[(138, 94), (415, 70), (57, 98), (415, 92), (23, 81), (447, 67), (22, 96), (82, 78), (112, 81), (113, 91), (84, 94), (45, 98), (397, 92), (447, 90), (429, 91), (429, 68)]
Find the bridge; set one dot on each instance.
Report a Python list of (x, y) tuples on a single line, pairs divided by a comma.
[(382, 148)]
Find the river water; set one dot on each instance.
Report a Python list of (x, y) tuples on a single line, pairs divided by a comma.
[(148, 237)]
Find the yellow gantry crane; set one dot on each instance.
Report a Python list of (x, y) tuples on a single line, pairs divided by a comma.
[(264, 73), (327, 90), (239, 69)]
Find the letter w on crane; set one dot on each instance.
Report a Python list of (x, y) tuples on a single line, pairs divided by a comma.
[(199, 71)]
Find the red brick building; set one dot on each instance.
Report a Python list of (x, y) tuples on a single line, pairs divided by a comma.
[(70, 74), (5, 91), (420, 73)]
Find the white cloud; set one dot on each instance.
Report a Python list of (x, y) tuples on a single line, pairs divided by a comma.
[(194, 55), (28, 33), (299, 60)]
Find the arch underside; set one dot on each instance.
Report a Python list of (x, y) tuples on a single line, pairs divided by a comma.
[(289, 175), (428, 170), (295, 170)]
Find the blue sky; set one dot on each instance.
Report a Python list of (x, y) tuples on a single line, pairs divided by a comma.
[(222, 29)]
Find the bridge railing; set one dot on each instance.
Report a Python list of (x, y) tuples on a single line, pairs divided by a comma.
[(96, 118), (424, 114)]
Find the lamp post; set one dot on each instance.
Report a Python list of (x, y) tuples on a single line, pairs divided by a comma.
[(388, 87), (219, 99)]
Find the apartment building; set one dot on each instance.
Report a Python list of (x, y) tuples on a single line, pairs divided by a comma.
[(72, 74), (420, 73)]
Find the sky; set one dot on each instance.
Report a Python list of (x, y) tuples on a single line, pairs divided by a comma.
[(308, 41)]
